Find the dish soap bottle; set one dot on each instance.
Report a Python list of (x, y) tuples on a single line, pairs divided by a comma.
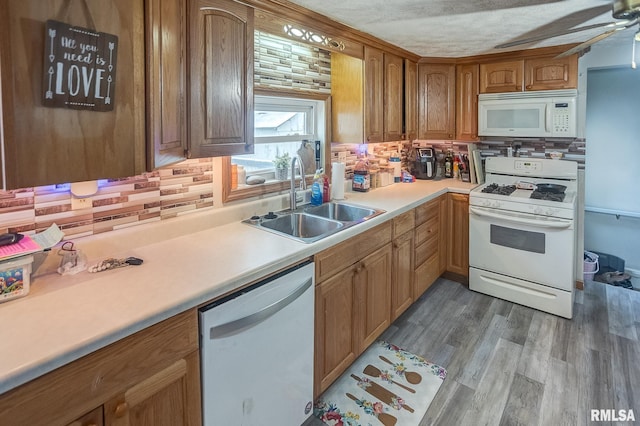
[(316, 189)]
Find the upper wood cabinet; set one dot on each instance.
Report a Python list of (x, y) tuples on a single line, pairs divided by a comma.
[(393, 97), (410, 99), (550, 73), (436, 101), (545, 73), (467, 77), (47, 145), (166, 82), (374, 92), (497, 77), (367, 103), (221, 78)]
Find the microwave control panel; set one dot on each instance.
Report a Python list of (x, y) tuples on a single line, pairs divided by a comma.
[(561, 117)]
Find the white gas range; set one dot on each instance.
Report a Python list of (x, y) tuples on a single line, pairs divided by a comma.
[(522, 241)]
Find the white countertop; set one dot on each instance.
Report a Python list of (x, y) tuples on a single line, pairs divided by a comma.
[(188, 261)]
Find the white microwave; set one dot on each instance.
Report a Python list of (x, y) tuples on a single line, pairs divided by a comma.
[(545, 113)]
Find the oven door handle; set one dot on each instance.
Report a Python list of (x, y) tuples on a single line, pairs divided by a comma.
[(520, 220)]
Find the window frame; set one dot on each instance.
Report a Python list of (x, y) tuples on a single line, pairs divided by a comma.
[(243, 193)]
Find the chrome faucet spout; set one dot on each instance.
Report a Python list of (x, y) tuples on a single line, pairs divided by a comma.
[(293, 202)]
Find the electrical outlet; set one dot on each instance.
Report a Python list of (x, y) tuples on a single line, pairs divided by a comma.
[(81, 203)]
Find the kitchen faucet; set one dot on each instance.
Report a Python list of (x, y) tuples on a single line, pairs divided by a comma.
[(303, 183)]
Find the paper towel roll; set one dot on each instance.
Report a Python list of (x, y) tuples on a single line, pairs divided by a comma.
[(337, 180)]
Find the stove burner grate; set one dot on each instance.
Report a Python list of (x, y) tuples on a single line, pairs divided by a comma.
[(494, 188), (547, 196)]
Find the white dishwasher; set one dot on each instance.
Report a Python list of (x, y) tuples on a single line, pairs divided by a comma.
[(256, 349)]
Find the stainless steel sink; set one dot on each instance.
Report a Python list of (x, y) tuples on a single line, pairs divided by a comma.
[(341, 212), (303, 226), (312, 223)]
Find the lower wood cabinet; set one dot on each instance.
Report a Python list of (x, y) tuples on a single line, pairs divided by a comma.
[(353, 302), (151, 378), (458, 235)]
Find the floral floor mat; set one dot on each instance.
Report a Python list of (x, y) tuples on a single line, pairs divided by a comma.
[(385, 386)]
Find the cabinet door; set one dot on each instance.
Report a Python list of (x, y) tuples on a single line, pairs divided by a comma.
[(500, 77), (458, 252), (373, 94), (549, 73), (436, 97), (373, 296), (467, 77), (166, 82), (393, 89), (444, 242), (169, 398), (347, 98), (48, 145), (334, 329), (410, 99), (221, 77), (402, 274)]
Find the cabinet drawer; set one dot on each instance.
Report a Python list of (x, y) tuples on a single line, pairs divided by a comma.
[(427, 211), (335, 259), (425, 275), (427, 230), (426, 250), (403, 223)]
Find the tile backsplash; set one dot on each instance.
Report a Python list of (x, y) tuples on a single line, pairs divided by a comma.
[(154, 196)]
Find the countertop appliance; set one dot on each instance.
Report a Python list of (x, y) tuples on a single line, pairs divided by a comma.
[(257, 353), (424, 164), (522, 239), (544, 113)]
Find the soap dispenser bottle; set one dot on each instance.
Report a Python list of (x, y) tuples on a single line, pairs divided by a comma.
[(316, 188)]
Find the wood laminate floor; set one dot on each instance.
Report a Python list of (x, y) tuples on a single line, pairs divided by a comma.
[(511, 365)]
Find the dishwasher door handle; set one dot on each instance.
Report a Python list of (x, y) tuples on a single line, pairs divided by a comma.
[(231, 327)]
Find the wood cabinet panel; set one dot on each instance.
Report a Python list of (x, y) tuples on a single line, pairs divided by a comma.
[(373, 296), (47, 145), (467, 86), (402, 270), (425, 276), (166, 81), (550, 73), (505, 76), (347, 98), (338, 257), (93, 418), (335, 328), (427, 211), (444, 242), (410, 99), (427, 248), (458, 252), (374, 72), (393, 98), (403, 223), (436, 98), (428, 229), (168, 398), (221, 78), (61, 396)]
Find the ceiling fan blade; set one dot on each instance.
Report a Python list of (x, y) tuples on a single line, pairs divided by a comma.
[(597, 38), (546, 36)]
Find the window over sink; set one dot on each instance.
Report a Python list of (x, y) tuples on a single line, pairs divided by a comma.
[(286, 124)]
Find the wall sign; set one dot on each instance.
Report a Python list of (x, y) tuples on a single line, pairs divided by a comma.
[(79, 67)]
